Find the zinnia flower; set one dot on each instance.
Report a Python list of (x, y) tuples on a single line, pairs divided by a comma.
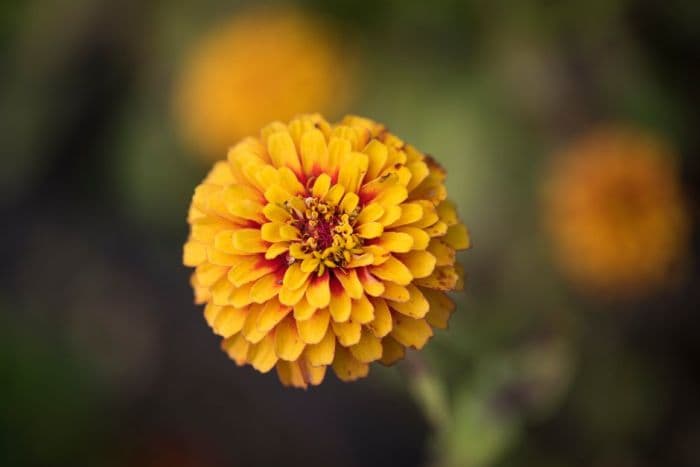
[(321, 245), (259, 66), (615, 211)]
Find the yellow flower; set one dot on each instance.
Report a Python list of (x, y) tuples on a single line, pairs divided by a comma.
[(321, 245), (260, 66), (615, 212)]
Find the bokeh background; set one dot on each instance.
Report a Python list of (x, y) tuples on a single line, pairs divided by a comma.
[(108, 115)]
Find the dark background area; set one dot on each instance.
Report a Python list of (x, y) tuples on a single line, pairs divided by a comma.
[(105, 360)]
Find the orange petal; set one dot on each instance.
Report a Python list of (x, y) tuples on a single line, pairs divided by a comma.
[(347, 367), (282, 152), (348, 333), (362, 310), (393, 270), (237, 348), (397, 242), (318, 293), (314, 329), (229, 321), (411, 332), (303, 310), (272, 313), (250, 328), (288, 344), (194, 254), (457, 237), (395, 292), (382, 323), (340, 304), (441, 307), (314, 152), (415, 307), (262, 355), (266, 287), (370, 284), (322, 353), (295, 277), (420, 237), (368, 349), (420, 263), (392, 351), (370, 230), (350, 282)]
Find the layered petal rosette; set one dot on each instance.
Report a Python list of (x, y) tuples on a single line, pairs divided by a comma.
[(318, 245)]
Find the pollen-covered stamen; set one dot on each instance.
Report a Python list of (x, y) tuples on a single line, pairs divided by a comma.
[(327, 235)]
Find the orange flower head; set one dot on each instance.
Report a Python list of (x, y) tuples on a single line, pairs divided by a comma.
[(260, 65), (615, 212), (319, 245)]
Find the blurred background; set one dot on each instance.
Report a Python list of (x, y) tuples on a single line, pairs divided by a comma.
[(569, 131)]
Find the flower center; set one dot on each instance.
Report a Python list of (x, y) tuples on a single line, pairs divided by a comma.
[(327, 236)]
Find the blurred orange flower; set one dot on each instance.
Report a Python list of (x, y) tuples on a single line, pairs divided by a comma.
[(321, 245), (615, 211), (260, 66)]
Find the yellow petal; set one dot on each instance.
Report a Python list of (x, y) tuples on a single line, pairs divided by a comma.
[(444, 254), (248, 241), (237, 348), (457, 237), (441, 307), (208, 274), (249, 269), (221, 291), (419, 171), (340, 305), (442, 278), (338, 150), (393, 270), (348, 333), (362, 310), (347, 367), (392, 195), (211, 311), (290, 374), (415, 307), (276, 213), (194, 254), (349, 202), (395, 292), (370, 284), (314, 153), (250, 328), (312, 374), (420, 263), (392, 351), (391, 215), (303, 310), (314, 329), (229, 321), (241, 296), (245, 202), (292, 297), (294, 277), (321, 185), (272, 313), (276, 249), (368, 349), (438, 229), (335, 194), (370, 230), (411, 332), (262, 355), (266, 287), (352, 171), (377, 153), (220, 258), (382, 323), (318, 293), (397, 242), (282, 151), (288, 344), (447, 213), (370, 213), (350, 282), (410, 213), (322, 353), (420, 237)]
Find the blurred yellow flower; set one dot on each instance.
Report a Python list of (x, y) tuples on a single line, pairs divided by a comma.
[(615, 211), (260, 66), (321, 245)]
